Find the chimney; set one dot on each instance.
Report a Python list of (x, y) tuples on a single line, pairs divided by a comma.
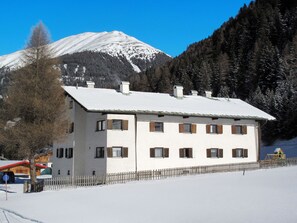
[(124, 87), (194, 93), (178, 91), (90, 84), (208, 94)]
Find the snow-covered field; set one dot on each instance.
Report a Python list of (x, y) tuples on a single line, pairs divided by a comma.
[(257, 196)]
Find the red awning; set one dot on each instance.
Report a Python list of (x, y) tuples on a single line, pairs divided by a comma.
[(21, 163)]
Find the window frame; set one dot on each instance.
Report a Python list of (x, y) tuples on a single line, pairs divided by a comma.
[(164, 152), (242, 129), (100, 125), (188, 128), (124, 124), (244, 153), (159, 126), (118, 122), (99, 152), (156, 126), (71, 104), (214, 129), (124, 152), (218, 153), (186, 153), (60, 153)]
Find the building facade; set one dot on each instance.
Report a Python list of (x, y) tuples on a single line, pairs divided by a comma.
[(120, 131)]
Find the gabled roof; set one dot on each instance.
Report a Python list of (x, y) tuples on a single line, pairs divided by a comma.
[(112, 101)]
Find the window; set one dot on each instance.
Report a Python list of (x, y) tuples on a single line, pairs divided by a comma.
[(99, 152), (59, 172), (117, 124), (156, 127), (68, 172), (71, 128), (186, 153), (93, 173), (117, 152), (239, 153), (239, 129), (59, 152), (68, 153), (214, 129), (159, 152), (187, 128), (70, 104), (214, 153), (100, 125)]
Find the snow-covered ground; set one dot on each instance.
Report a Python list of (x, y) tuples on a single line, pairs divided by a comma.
[(288, 146), (257, 196)]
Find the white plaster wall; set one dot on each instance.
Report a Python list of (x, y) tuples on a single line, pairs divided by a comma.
[(172, 139), (122, 138), (94, 139), (64, 164)]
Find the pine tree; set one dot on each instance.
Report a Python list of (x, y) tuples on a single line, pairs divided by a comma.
[(34, 114)]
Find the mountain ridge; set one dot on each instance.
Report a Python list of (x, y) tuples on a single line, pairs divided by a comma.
[(114, 43), (105, 58)]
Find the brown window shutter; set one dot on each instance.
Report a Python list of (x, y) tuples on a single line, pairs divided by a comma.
[(245, 153), (181, 128), (233, 152), (193, 128), (109, 151), (181, 153), (152, 152), (109, 124), (125, 124), (190, 152), (207, 128), (125, 151), (152, 127), (208, 153), (244, 129), (220, 153), (166, 152), (233, 129), (220, 129)]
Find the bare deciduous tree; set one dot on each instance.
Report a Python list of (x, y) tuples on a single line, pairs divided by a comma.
[(34, 111)]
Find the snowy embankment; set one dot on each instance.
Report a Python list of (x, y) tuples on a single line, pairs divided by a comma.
[(257, 196)]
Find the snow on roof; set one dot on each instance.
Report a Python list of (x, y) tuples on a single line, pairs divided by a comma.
[(110, 100)]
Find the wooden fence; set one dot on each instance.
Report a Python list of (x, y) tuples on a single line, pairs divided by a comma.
[(115, 178)]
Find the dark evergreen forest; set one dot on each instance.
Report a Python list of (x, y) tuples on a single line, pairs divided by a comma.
[(252, 57)]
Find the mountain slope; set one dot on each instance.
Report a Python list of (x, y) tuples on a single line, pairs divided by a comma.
[(108, 56), (252, 56)]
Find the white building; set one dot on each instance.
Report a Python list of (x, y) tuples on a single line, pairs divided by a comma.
[(119, 131)]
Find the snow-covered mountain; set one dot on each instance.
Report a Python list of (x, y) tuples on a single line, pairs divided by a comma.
[(114, 43), (105, 57)]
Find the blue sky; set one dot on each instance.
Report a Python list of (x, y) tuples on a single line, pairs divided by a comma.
[(169, 25)]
